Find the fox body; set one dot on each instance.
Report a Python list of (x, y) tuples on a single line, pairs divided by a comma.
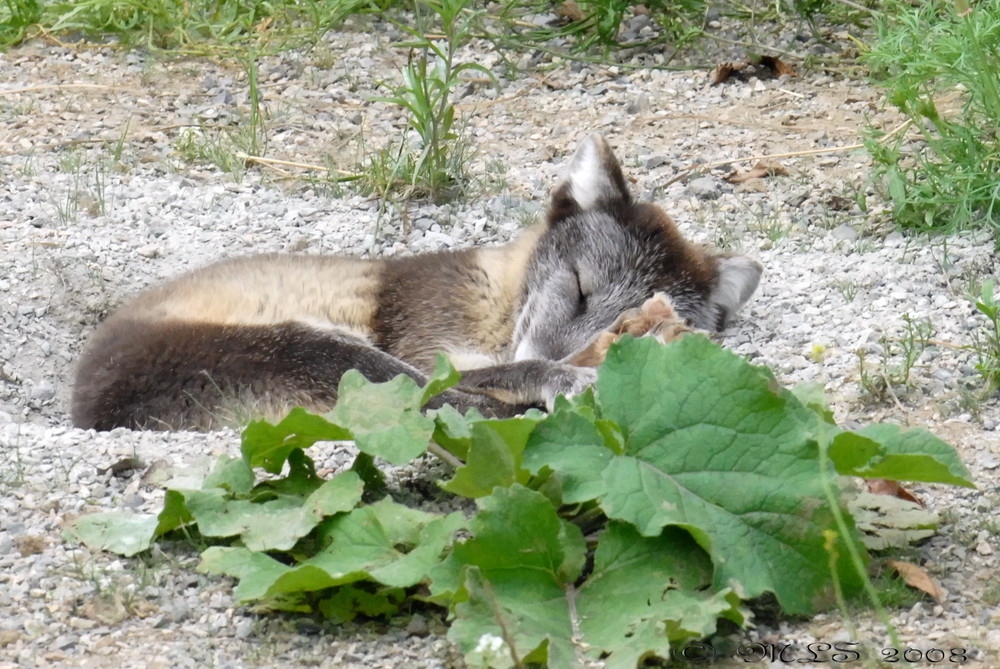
[(260, 334)]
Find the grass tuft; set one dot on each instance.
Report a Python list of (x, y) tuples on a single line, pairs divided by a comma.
[(937, 64)]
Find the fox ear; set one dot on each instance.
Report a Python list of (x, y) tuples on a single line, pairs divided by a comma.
[(593, 176), (738, 277)]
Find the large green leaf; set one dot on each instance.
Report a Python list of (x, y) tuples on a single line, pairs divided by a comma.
[(120, 532), (493, 457), (276, 524), (509, 580), (513, 588), (573, 448), (384, 418), (384, 542), (713, 445), (268, 446), (646, 593)]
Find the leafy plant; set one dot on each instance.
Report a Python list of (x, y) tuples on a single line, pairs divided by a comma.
[(619, 525), (986, 344), (596, 23), (192, 25), (897, 358), (437, 162), (16, 16), (937, 63)]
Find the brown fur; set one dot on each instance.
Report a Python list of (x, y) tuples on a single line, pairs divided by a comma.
[(264, 333)]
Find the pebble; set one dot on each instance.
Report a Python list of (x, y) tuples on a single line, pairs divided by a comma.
[(705, 188)]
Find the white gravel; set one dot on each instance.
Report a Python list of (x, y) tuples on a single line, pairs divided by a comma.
[(81, 228)]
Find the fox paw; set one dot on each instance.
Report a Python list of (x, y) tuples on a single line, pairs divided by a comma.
[(567, 380), (655, 318)]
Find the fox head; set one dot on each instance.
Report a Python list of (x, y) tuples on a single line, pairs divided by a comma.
[(602, 253)]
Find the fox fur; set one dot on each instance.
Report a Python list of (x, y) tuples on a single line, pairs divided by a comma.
[(261, 334)]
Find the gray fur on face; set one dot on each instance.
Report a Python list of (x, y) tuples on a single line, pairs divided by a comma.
[(604, 254)]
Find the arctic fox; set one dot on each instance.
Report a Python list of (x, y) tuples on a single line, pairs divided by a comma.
[(259, 335)]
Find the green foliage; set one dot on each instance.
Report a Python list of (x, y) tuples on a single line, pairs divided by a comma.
[(626, 521), (16, 16), (986, 341), (937, 65), (436, 165), (598, 23), (889, 373), (191, 25)]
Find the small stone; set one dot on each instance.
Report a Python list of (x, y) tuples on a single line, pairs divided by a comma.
[(797, 198), (705, 188), (244, 629), (417, 626), (149, 251), (652, 161), (844, 232), (639, 104), (983, 548), (224, 98), (43, 391)]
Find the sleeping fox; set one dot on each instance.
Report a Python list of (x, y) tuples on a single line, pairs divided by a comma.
[(261, 334)]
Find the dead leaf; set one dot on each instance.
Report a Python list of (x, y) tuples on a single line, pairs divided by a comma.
[(763, 168), (917, 577), (571, 11), (887, 487), (123, 467), (764, 67), (723, 71), (30, 544), (886, 521), (108, 609), (777, 66)]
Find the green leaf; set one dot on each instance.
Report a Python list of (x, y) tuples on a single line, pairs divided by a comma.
[(175, 513), (445, 376), (512, 575), (901, 455), (276, 524), (385, 542), (232, 474), (713, 445), (120, 532), (494, 457), (573, 447), (513, 589), (452, 430), (266, 445), (384, 418), (897, 187), (348, 601), (372, 477), (646, 593)]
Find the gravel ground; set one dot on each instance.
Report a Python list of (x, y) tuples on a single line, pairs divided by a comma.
[(101, 198)]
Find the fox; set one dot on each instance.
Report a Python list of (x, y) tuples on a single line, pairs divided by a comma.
[(264, 333)]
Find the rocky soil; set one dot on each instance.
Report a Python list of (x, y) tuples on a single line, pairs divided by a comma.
[(106, 190)]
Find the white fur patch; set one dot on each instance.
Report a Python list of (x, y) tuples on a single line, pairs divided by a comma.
[(466, 359), (525, 351), (587, 175)]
